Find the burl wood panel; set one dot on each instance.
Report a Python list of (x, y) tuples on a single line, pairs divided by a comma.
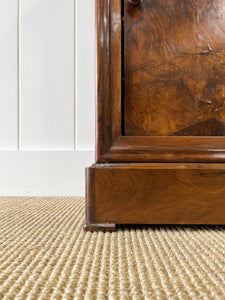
[(210, 127), (174, 65), (155, 194)]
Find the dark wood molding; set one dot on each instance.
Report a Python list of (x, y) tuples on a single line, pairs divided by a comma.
[(103, 84), (165, 149)]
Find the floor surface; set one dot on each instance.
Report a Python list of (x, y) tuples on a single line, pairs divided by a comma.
[(45, 254)]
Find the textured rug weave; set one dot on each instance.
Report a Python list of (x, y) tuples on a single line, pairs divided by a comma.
[(45, 254)]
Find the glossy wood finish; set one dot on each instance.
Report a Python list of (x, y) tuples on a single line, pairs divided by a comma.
[(160, 67), (160, 106), (108, 92), (174, 56), (210, 127), (111, 145), (90, 224), (103, 123), (156, 194)]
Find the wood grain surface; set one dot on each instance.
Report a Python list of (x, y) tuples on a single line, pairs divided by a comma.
[(155, 194), (174, 57), (210, 127), (203, 139), (160, 106)]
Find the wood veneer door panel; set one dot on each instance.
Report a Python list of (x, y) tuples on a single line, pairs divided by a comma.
[(174, 68), (211, 60)]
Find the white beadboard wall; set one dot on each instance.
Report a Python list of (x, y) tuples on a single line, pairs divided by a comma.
[(47, 98)]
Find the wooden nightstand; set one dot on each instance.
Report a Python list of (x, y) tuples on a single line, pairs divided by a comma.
[(160, 129)]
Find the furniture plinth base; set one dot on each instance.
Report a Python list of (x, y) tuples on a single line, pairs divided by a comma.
[(100, 227), (154, 193)]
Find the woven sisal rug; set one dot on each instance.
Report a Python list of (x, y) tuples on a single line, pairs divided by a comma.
[(45, 254)]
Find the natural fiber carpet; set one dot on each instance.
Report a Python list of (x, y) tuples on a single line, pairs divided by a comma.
[(45, 254)]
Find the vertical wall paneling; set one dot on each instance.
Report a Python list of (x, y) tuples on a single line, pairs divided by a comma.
[(47, 75), (8, 74), (43, 173), (85, 74), (47, 99)]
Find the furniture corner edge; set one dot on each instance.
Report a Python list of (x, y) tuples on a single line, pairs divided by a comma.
[(106, 227)]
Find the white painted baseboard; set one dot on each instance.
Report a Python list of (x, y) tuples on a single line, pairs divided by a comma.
[(43, 173), (47, 96)]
